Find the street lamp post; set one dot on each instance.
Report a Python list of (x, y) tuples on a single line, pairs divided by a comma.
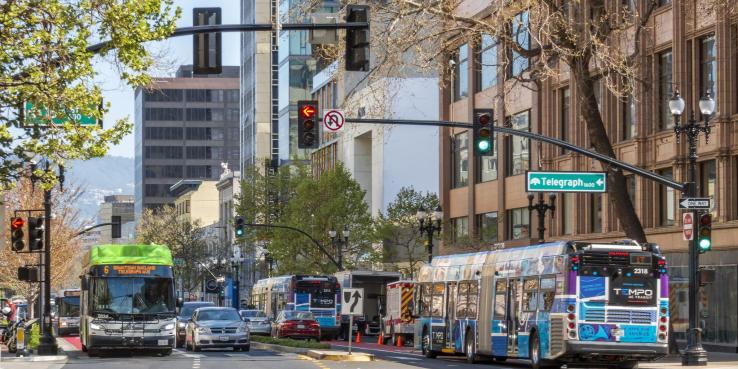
[(541, 207), (429, 226), (339, 244), (268, 259), (694, 354)]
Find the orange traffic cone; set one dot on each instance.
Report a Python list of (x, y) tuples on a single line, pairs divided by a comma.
[(380, 340), (358, 337), (399, 340)]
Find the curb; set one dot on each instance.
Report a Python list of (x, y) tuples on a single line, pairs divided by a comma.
[(35, 358), (270, 347), (339, 355)]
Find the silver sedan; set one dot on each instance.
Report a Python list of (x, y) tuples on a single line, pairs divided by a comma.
[(217, 327), (258, 322)]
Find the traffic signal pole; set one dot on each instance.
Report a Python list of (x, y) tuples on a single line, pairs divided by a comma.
[(47, 342)]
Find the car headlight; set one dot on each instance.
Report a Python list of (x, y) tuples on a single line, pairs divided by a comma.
[(182, 325), (96, 327), (62, 324), (169, 326), (243, 329), (203, 330)]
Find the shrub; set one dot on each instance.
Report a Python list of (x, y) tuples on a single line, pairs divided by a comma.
[(290, 342)]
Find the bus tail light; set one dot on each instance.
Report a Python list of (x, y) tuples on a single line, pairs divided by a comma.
[(572, 325), (571, 316), (570, 308), (662, 328)]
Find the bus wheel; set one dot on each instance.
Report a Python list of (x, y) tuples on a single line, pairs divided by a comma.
[(471, 354), (534, 352), (84, 348), (425, 345), (629, 364)]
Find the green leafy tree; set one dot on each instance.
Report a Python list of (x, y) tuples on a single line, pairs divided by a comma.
[(291, 196), (44, 61), (404, 246), (186, 239)]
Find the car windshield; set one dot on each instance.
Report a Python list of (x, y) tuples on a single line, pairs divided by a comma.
[(132, 295), (252, 314), (219, 314), (301, 315), (187, 309)]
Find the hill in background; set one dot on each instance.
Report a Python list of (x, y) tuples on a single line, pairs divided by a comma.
[(109, 175)]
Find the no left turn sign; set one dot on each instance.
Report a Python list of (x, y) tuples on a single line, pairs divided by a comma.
[(333, 120)]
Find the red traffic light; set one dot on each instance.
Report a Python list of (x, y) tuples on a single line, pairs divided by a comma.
[(706, 219), (308, 111), (484, 119), (17, 223)]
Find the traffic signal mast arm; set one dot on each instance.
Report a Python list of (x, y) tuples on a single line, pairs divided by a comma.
[(682, 187)]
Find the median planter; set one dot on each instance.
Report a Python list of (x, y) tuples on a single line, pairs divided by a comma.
[(286, 344)]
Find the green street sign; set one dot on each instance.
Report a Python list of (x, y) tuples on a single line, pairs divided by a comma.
[(566, 181), (40, 117)]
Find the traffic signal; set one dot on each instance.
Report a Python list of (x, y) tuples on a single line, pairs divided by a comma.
[(483, 143), (16, 234), (307, 127), (357, 40), (704, 241), (239, 227), (207, 47), (28, 274), (35, 233)]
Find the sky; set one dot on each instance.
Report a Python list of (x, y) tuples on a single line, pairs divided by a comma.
[(178, 51)]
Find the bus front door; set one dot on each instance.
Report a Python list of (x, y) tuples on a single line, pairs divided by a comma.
[(513, 324)]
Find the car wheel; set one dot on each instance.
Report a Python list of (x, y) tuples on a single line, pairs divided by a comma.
[(471, 353), (425, 346), (166, 352), (246, 348), (629, 364)]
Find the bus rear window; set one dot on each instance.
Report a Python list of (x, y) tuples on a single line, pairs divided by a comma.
[(640, 259)]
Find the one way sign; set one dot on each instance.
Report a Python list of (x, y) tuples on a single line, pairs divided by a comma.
[(353, 301), (695, 203)]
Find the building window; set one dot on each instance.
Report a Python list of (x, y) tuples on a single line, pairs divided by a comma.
[(204, 133), (461, 160), (459, 228), (708, 66), (629, 118), (568, 218), (163, 171), (565, 115), (206, 95), (667, 200), (163, 114), (163, 133), (461, 73), (200, 171), (518, 160), (664, 2), (487, 227), (595, 213), (487, 164), (520, 36), (488, 63), (163, 152), (518, 221), (665, 90), (165, 95), (708, 183)]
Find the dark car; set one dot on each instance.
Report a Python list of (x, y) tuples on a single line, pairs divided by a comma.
[(296, 324), (185, 312)]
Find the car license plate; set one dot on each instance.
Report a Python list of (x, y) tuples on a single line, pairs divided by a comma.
[(224, 338), (300, 326), (163, 342), (617, 332)]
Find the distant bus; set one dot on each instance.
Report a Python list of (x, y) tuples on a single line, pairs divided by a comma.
[(67, 312), (317, 294), (128, 299), (561, 302)]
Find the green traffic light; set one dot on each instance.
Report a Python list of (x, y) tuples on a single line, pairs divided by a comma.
[(239, 232), (483, 146), (705, 244)]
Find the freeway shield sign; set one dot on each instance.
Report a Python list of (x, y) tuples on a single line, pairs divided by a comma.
[(565, 181)]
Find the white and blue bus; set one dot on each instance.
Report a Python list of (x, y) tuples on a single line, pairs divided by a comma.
[(552, 303), (317, 294)]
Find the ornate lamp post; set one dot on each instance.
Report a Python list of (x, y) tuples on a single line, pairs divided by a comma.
[(541, 207), (429, 223), (339, 244), (694, 354)]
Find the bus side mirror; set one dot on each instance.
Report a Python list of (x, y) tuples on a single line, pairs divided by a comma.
[(84, 284), (180, 302)]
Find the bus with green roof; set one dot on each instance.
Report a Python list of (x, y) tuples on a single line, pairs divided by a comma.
[(128, 299)]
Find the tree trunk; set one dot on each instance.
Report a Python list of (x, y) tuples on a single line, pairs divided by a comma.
[(617, 189)]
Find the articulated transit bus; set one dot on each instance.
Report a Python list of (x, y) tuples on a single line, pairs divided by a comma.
[(552, 303)]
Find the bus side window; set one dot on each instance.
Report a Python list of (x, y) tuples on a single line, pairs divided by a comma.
[(461, 302), (437, 302), (548, 291), (472, 300), (425, 299), (500, 294), (530, 294)]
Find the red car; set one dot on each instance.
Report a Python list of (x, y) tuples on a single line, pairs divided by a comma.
[(296, 324)]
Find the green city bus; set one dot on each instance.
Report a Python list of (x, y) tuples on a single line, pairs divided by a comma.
[(127, 300)]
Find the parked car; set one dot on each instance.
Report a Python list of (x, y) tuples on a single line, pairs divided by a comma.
[(296, 324), (217, 327), (259, 323), (185, 313)]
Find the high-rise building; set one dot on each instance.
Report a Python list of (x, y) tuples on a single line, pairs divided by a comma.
[(116, 209), (484, 197), (185, 127)]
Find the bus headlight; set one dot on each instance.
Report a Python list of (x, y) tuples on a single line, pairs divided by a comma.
[(96, 327), (63, 324), (182, 324), (169, 327)]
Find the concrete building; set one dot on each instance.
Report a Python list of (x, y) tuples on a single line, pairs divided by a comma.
[(117, 208), (185, 127), (196, 200), (484, 197)]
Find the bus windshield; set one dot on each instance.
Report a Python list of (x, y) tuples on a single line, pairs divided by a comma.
[(134, 295), (69, 306), (322, 293)]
